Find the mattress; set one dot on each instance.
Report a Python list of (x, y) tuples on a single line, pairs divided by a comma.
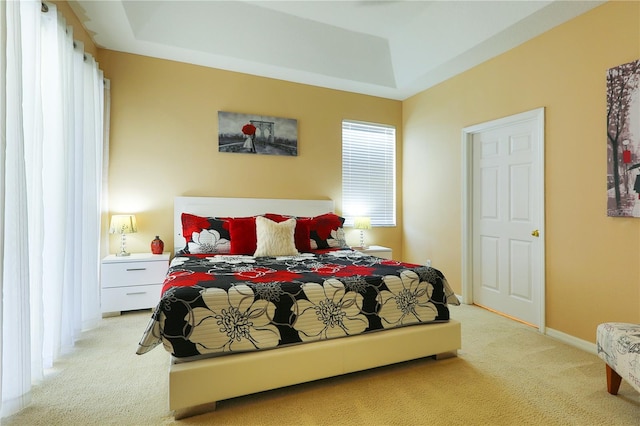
[(214, 305)]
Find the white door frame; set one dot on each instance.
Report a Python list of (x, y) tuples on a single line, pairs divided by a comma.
[(467, 201)]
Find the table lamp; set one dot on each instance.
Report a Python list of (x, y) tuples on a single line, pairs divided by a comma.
[(362, 223), (123, 224)]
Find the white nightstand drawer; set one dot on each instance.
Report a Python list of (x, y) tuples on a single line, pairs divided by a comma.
[(133, 273), (378, 251), (132, 282), (130, 298)]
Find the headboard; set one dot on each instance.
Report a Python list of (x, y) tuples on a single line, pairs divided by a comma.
[(230, 207)]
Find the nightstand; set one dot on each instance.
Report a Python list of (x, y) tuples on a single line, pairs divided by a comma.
[(132, 282), (378, 251)]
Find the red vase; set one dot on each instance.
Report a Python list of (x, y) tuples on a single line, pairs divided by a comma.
[(157, 246)]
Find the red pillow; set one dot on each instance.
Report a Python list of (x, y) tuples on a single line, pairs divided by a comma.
[(302, 232), (242, 231), (277, 217), (302, 235)]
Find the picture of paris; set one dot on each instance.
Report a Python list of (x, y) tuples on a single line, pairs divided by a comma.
[(257, 134)]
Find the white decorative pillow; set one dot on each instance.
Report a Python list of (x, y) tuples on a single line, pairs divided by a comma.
[(275, 239)]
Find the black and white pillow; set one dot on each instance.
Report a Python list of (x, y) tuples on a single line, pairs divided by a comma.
[(205, 235)]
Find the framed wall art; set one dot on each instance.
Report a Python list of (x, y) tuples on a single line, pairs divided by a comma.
[(623, 140), (257, 134)]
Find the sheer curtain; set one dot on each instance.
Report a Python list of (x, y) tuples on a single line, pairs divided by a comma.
[(52, 134)]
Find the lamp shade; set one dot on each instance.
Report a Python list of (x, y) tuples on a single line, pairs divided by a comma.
[(123, 224), (362, 222)]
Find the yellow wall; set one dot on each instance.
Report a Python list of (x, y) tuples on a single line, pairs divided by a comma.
[(164, 141), (79, 33), (592, 261)]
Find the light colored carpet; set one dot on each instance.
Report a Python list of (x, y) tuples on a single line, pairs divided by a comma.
[(505, 374)]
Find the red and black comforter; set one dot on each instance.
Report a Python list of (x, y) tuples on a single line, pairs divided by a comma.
[(224, 304)]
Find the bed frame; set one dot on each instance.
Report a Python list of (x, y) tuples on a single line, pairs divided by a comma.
[(192, 385)]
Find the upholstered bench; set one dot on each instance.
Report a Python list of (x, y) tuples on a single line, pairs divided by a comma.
[(619, 346)]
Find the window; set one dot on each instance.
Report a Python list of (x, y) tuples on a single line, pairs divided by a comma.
[(369, 172)]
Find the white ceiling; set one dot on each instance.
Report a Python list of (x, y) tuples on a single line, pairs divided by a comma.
[(391, 49)]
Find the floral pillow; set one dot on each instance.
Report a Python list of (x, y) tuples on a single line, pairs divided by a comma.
[(327, 232), (205, 235)]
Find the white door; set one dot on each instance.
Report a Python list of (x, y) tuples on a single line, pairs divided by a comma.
[(506, 214)]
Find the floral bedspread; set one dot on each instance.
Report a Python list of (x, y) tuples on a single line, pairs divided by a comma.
[(223, 304)]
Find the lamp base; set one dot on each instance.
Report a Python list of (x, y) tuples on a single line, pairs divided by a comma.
[(362, 245), (123, 244)]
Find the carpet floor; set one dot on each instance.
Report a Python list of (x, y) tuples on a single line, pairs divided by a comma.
[(505, 374)]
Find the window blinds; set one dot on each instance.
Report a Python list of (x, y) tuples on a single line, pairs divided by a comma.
[(368, 172)]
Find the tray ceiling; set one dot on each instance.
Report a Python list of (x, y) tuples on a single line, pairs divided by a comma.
[(390, 49)]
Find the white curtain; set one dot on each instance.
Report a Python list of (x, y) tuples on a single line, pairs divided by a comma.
[(16, 367), (52, 116)]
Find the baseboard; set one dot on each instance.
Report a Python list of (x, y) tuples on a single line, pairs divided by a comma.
[(572, 340)]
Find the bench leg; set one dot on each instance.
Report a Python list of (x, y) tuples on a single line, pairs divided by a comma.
[(613, 380)]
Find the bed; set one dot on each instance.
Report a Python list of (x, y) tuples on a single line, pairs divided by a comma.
[(305, 307)]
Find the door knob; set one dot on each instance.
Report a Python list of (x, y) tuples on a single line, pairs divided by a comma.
[(535, 233)]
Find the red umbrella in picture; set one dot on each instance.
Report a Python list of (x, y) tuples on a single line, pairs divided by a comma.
[(249, 129)]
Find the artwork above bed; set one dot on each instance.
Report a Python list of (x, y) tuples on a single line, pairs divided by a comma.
[(257, 134)]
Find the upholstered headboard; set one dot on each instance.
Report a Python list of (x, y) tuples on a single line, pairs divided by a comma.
[(236, 207)]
